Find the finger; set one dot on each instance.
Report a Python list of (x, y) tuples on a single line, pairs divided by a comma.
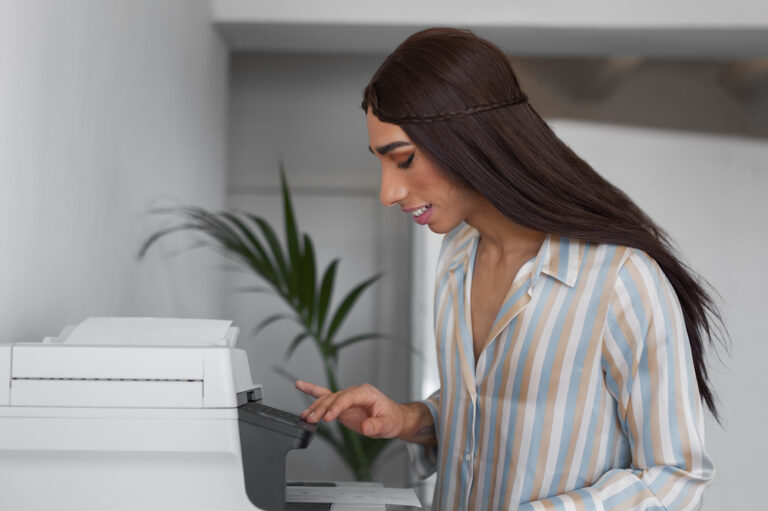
[(317, 409), (332, 402), (311, 389), (358, 396), (372, 427)]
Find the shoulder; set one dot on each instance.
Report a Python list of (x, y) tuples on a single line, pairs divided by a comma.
[(643, 290), (642, 272), (619, 261), (624, 274)]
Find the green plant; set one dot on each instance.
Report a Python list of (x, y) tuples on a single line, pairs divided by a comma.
[(291, 274)]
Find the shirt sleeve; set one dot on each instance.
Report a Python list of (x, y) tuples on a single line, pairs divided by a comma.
[(424, 457), (648, 369)]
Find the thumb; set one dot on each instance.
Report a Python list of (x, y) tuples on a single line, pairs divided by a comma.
[(372, 426)]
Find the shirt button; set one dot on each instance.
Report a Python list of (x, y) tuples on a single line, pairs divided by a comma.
[(468, 457)]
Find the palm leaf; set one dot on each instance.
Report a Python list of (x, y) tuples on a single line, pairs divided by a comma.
[(324, 431), (346, 306), (307, 280), (210, 224), (324, 299), (374, 446), (358, 338), (284, 273), (295, 343), (161, 234), (269, 320), (291, 233), (261, 261), (253, 289)]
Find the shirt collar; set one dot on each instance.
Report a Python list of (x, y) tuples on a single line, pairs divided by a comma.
[(558, 257)]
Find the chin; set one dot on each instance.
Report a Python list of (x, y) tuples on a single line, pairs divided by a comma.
[(438, 228)]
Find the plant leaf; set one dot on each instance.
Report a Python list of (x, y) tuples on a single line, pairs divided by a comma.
[(374, 446), (307, 280), (260, 260), (326, 289), (357, 338), (295, 343), (325, 433), (284, 279), (253, 289), (346, 305), (210, 224), (161, 234), (269, 320), (291, 233)]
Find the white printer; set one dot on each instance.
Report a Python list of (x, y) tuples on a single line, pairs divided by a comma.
[(139, 414)]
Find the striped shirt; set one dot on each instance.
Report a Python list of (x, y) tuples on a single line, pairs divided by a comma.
[(584, 398)]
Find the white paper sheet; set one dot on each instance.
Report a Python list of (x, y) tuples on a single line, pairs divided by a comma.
[(360, 495), (151, 332)]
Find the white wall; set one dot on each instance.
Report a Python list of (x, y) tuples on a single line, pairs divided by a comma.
[(708, 193), (104, 108)]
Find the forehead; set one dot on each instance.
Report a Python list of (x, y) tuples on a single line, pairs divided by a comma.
[(380, 133)]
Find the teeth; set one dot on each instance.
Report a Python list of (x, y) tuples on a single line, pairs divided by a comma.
[(420, 211)]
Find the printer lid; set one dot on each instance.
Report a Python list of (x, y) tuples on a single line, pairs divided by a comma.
[(149, 332)]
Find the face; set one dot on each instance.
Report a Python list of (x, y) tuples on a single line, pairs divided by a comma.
[(412, 182)]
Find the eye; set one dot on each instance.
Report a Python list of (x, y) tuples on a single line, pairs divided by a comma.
[(406, 163)]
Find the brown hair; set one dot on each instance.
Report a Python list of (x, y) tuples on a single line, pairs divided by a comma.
[(457, 98)]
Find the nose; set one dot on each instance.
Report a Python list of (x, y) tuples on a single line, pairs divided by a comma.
[(393, 189)]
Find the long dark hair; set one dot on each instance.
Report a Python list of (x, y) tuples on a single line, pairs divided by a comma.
[(457, 98)]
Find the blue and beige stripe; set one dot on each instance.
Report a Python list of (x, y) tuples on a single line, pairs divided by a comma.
[(584, 396)]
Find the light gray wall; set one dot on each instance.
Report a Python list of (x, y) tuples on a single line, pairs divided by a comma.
[(105, 107), (305, 111)]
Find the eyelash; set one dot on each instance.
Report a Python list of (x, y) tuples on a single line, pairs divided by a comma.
[(406, 163)]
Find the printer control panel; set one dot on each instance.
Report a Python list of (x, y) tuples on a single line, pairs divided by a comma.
[(280, 415), (280, 421), (266, 436)]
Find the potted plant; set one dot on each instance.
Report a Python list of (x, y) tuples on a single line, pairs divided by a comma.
[(291, 274)]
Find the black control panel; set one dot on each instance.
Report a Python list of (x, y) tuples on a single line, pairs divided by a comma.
[(278, 421), (266, 436)]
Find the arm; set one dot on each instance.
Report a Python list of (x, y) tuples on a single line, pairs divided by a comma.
[(420, 427), (649, 372)]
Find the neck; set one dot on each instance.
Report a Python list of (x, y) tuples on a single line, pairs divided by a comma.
[(502, 236)]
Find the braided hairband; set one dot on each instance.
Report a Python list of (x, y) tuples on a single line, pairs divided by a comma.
[(426, 118)]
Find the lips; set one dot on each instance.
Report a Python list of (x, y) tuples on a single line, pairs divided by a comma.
[(422, 215), (411, 210)]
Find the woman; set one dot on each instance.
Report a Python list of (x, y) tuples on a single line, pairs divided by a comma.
[(570, 338)]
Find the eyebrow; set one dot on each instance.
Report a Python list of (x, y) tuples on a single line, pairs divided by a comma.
[(387, 148)]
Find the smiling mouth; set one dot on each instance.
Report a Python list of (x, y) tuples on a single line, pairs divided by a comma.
[(421, 211)]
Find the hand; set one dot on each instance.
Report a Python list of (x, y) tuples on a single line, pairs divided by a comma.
[(363, 409)]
